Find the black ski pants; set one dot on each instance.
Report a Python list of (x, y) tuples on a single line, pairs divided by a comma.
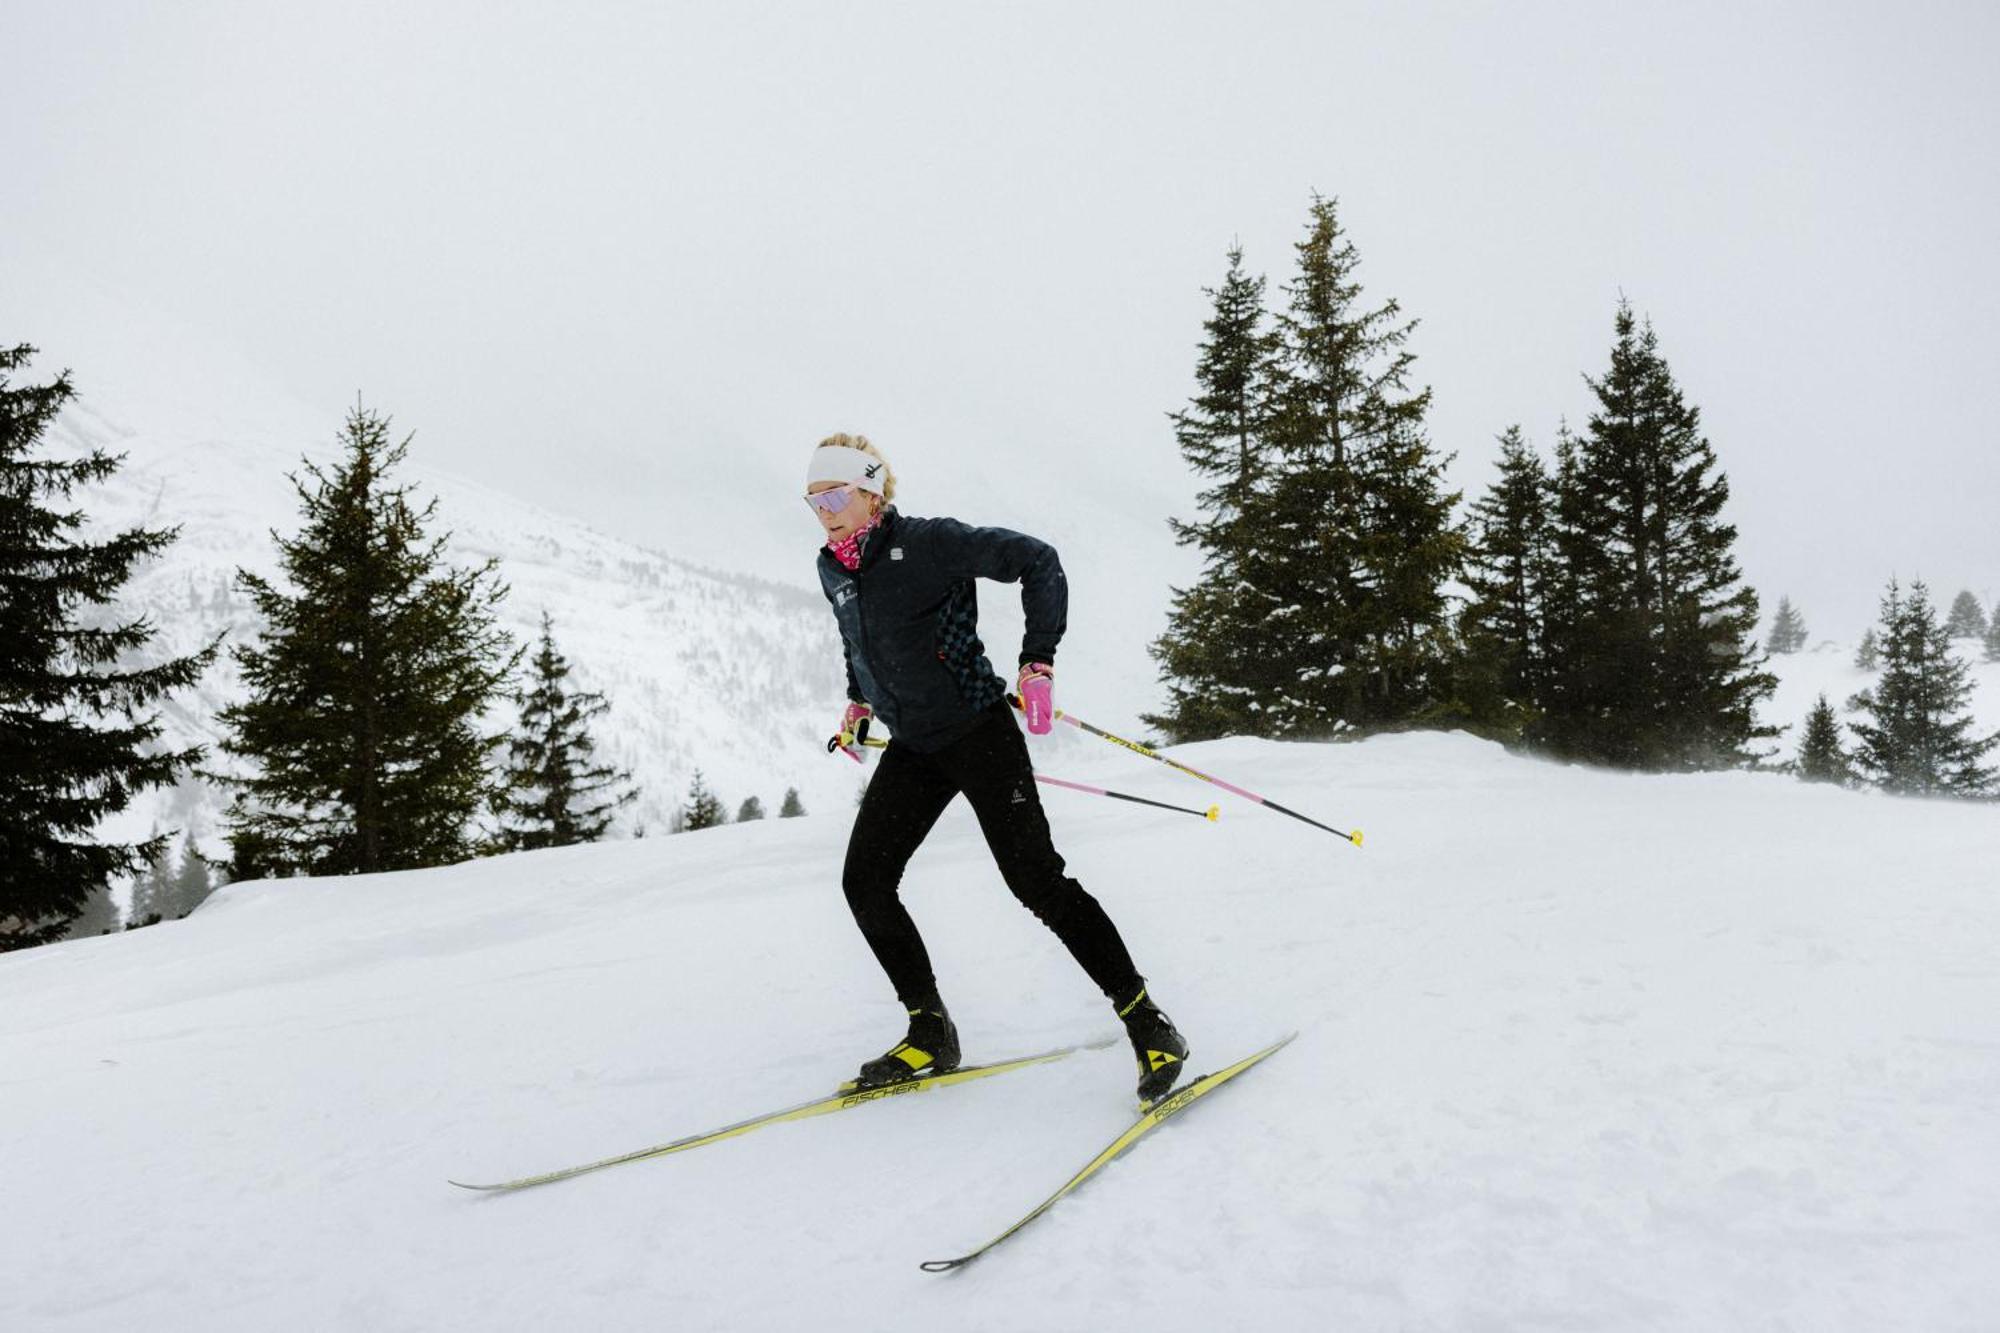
[(910, 789)]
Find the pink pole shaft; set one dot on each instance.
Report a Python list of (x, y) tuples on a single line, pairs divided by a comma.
[(1073, 786)]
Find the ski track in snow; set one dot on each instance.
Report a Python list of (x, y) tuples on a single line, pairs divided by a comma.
[(1580, 1050)]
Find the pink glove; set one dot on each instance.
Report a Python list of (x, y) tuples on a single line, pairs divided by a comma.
[(1037, 685), (853, 731)]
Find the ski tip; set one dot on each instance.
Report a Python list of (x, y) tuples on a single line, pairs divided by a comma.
[(481, 1188), (944, 1265)]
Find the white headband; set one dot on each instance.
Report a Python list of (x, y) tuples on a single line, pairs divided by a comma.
[(835, 462)]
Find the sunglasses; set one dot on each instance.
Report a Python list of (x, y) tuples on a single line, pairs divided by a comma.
[(833, 501)]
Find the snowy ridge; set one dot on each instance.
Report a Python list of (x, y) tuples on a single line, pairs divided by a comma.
[(1580, 1049)]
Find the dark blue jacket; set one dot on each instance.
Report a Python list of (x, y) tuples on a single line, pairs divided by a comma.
[(909, 620)]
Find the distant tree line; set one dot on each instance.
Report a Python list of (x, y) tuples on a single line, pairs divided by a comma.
[(704, 809), (1587, 606)]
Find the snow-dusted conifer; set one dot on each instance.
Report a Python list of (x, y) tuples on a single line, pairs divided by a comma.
[(1821, 757), (1662, 667), (1507, 569), (792, 807), (153, 889), (1788, 629), (98, 917), (1993, 637), (703, 808), (1567, 675), (192, 882), (752, 808), (1918, 739), (1213, 685), (1868, 656), (1967, 620), (1355, 539), (77, 741), (555, 794), (367, 683)]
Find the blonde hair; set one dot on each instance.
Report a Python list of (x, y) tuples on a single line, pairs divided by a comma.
[(844, 441)]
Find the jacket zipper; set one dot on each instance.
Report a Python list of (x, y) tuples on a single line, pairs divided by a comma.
[(861, 624)]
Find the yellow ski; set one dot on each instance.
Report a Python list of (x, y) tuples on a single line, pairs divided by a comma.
[(1171, 1104), (839, 1101)]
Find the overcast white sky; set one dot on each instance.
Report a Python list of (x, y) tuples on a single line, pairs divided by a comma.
[(581, 247)]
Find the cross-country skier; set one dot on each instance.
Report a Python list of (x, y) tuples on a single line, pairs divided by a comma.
[(902, 592)]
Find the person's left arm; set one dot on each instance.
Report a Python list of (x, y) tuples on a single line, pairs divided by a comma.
[(1007, 556)]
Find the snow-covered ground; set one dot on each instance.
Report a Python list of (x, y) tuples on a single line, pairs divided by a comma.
[(1580, 1050)]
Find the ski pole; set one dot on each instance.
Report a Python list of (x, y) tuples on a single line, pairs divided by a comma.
[(1136, 748), (1212, 814)]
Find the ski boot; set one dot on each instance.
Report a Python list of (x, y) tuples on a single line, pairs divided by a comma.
[(1160, 1050), (930, 1047)]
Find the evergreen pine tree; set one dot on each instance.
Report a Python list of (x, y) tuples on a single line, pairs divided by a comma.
[(153, 890), (1788, 629), (1918, 739), (1354, 535), (99, 916), (77, 741), (1967, 620), (555, 795), (1663, 670), (792, 807), (1508, 565), (1868, 656), (1821, 758), (1213, 682), (367, 684), (1993, 637), (254, 855), (1570, 677), (752, 808), (191, 883), (703, 808)]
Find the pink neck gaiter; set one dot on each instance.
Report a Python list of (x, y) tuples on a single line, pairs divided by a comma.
[(848, 549)]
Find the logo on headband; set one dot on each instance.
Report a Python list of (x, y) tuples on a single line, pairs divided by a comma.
[(870, 471)]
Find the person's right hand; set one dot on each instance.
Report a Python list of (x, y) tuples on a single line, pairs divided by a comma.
[(853, 730)]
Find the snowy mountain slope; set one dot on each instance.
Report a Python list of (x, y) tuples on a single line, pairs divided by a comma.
[(703, 667), (1580, 1050), (705, 663)]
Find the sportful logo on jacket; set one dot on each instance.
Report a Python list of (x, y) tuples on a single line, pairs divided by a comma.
[(910, 624)]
